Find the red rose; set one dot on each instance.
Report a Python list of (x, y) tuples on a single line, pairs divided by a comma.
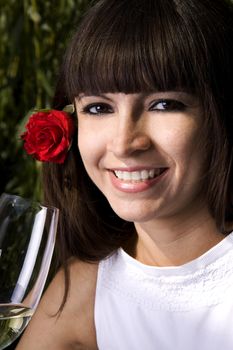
[(48, 136)]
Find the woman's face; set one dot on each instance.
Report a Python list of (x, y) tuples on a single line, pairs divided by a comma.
[(142, 151)]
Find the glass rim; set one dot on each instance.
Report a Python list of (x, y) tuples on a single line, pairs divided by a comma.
[(30, 200)]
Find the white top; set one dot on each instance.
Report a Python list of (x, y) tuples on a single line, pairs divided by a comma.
[(187, 307)]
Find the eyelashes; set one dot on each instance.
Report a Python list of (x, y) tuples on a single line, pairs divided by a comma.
[(161, 105), (97, 109), (168, 105)]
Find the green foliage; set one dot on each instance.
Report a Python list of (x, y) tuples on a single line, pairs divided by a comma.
[(33, 37)]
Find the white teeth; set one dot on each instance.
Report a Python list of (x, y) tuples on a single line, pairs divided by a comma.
[(145, 174), (152, 173), (126, 176), (137, 175)]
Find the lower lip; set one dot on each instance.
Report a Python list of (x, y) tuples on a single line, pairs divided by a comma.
[(135, 187)]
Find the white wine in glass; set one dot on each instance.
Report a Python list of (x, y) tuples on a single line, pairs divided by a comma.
[(27, 238)]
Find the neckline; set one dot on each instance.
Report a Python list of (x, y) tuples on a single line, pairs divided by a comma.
[(200, 262)]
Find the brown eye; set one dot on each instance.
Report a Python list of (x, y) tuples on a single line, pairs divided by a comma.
[(168, 105), (98, 109)]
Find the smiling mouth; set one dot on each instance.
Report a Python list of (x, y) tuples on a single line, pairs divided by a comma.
[(138, 176)]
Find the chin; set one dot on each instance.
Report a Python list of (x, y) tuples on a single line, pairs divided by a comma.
[(134, 215)]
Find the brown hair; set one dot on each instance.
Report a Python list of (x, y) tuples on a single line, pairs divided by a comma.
[(133, 46)]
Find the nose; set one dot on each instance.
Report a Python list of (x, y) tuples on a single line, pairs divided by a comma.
[(129, 137)]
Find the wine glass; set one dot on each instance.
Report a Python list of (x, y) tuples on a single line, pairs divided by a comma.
[(27, 237)]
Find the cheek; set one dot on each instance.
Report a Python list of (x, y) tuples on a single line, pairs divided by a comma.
[(188, 160), (184, 151), (91, 146), (174, 133), (179, 145)]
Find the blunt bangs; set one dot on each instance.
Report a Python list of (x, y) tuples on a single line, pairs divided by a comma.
[(144, 46), (137, 48)]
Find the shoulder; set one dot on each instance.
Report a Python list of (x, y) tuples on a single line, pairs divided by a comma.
[(74, 325), (81, 297)]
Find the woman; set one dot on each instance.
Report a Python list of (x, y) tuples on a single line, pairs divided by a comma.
[(146, 189)]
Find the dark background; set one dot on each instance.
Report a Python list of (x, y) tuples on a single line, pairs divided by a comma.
[(33, 37)]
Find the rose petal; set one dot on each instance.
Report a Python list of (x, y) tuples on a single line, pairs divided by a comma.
[(48, 135)]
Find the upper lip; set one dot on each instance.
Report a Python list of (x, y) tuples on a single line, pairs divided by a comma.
[(136, 168)]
